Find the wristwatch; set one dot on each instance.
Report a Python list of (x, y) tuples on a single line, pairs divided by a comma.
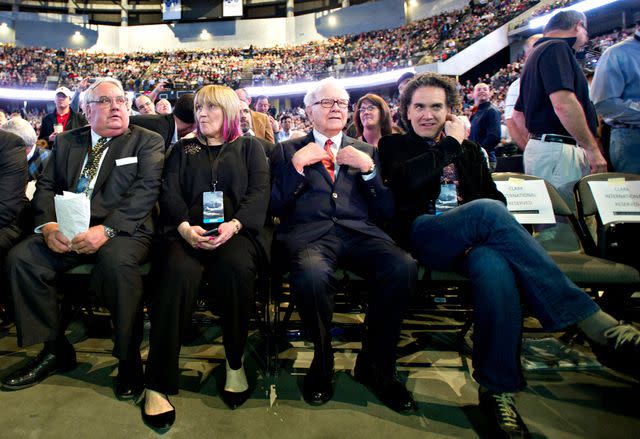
[(110, 232)]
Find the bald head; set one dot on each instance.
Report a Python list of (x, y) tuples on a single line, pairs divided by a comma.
[(243, 96)]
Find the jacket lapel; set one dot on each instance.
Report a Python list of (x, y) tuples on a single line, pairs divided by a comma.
[(114, 151), (344, 169), (77, 154)]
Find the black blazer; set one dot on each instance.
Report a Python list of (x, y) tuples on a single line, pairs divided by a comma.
[(242, 176), (13, 178), (309, 205), (76, 120), (411, 168), (163, 124), (124, 194)]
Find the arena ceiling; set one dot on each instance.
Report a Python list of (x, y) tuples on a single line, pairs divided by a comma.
[(140, 12)]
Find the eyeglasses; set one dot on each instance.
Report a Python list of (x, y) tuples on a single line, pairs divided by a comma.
[(106, 101), (329, 103), (369, 109)]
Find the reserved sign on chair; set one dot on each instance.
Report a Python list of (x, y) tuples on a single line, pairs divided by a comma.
[(528, 200), (618, 200)]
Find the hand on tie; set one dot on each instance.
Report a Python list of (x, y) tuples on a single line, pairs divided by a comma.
[(308, 155), (350, 156)]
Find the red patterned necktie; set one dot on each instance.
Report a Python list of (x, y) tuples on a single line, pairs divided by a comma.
[(329, 163)]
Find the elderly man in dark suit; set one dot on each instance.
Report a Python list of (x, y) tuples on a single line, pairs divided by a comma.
[(13, 181), (119, 168), (326, 191)]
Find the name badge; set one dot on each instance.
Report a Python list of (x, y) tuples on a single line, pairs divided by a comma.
[(448, 198), (212, 207)]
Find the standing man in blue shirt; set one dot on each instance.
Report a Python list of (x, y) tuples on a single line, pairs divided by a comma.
[(616, 94), (485, 122)]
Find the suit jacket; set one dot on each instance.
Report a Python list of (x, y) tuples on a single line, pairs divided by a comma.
[(262, 127), (13, 178), (123, 195), (163, 124), (76, 120), (309, 205)]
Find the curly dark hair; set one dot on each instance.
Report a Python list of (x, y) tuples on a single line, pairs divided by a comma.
[(429, 80)]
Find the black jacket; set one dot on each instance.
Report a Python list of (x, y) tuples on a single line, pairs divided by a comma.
[(76, 120), (13, 179), (310, 205), (411, 167), (163, 124), (125, 190), (242, 175)]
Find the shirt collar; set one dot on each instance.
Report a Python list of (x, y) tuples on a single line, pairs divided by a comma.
[(95, 137), (321, 139)]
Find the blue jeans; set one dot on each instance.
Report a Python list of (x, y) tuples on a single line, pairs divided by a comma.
[(506, 268), (624, 150)]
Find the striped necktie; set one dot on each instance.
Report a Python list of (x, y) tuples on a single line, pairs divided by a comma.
[(329, 163)]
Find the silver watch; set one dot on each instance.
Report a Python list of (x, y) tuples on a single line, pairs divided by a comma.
[(110, 232)]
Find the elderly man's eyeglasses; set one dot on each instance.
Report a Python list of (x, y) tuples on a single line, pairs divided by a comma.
[(368, 108), (329, 103), (106, 101)]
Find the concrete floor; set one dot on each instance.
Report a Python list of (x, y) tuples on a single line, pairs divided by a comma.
[(557, 403)]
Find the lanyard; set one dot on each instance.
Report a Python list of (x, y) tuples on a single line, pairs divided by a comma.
[(214, 165)]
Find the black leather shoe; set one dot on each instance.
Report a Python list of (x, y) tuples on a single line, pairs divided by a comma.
[(500, 409), (129, 382), (233, 400), (317, 388), (387, 387), (45, 364), (161, 422)]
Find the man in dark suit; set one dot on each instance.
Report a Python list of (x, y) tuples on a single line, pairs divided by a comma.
[(13, 181), (62, 119), (119, 168), (172, 127), (326, 191)]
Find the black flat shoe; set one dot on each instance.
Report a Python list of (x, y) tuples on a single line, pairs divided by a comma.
[(233, 400), (161, 422), (45, 364)]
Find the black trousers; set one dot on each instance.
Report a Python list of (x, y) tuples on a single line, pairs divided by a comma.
[(392, 275), (230, 272), (9, 236), (32, 268)]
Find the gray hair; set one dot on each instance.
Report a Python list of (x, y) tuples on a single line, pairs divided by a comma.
[(22, 129), (312, 93), (565, 20), (88, 94)]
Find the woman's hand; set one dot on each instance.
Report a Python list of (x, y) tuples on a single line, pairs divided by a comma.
[(194, 234), (225, 232)]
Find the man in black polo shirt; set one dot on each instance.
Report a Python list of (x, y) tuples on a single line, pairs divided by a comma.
[(555, 107)]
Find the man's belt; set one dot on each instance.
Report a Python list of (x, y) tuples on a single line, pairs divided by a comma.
[(554, 138)]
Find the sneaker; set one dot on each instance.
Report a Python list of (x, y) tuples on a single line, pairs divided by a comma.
[(500, 409), (622, 352)]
